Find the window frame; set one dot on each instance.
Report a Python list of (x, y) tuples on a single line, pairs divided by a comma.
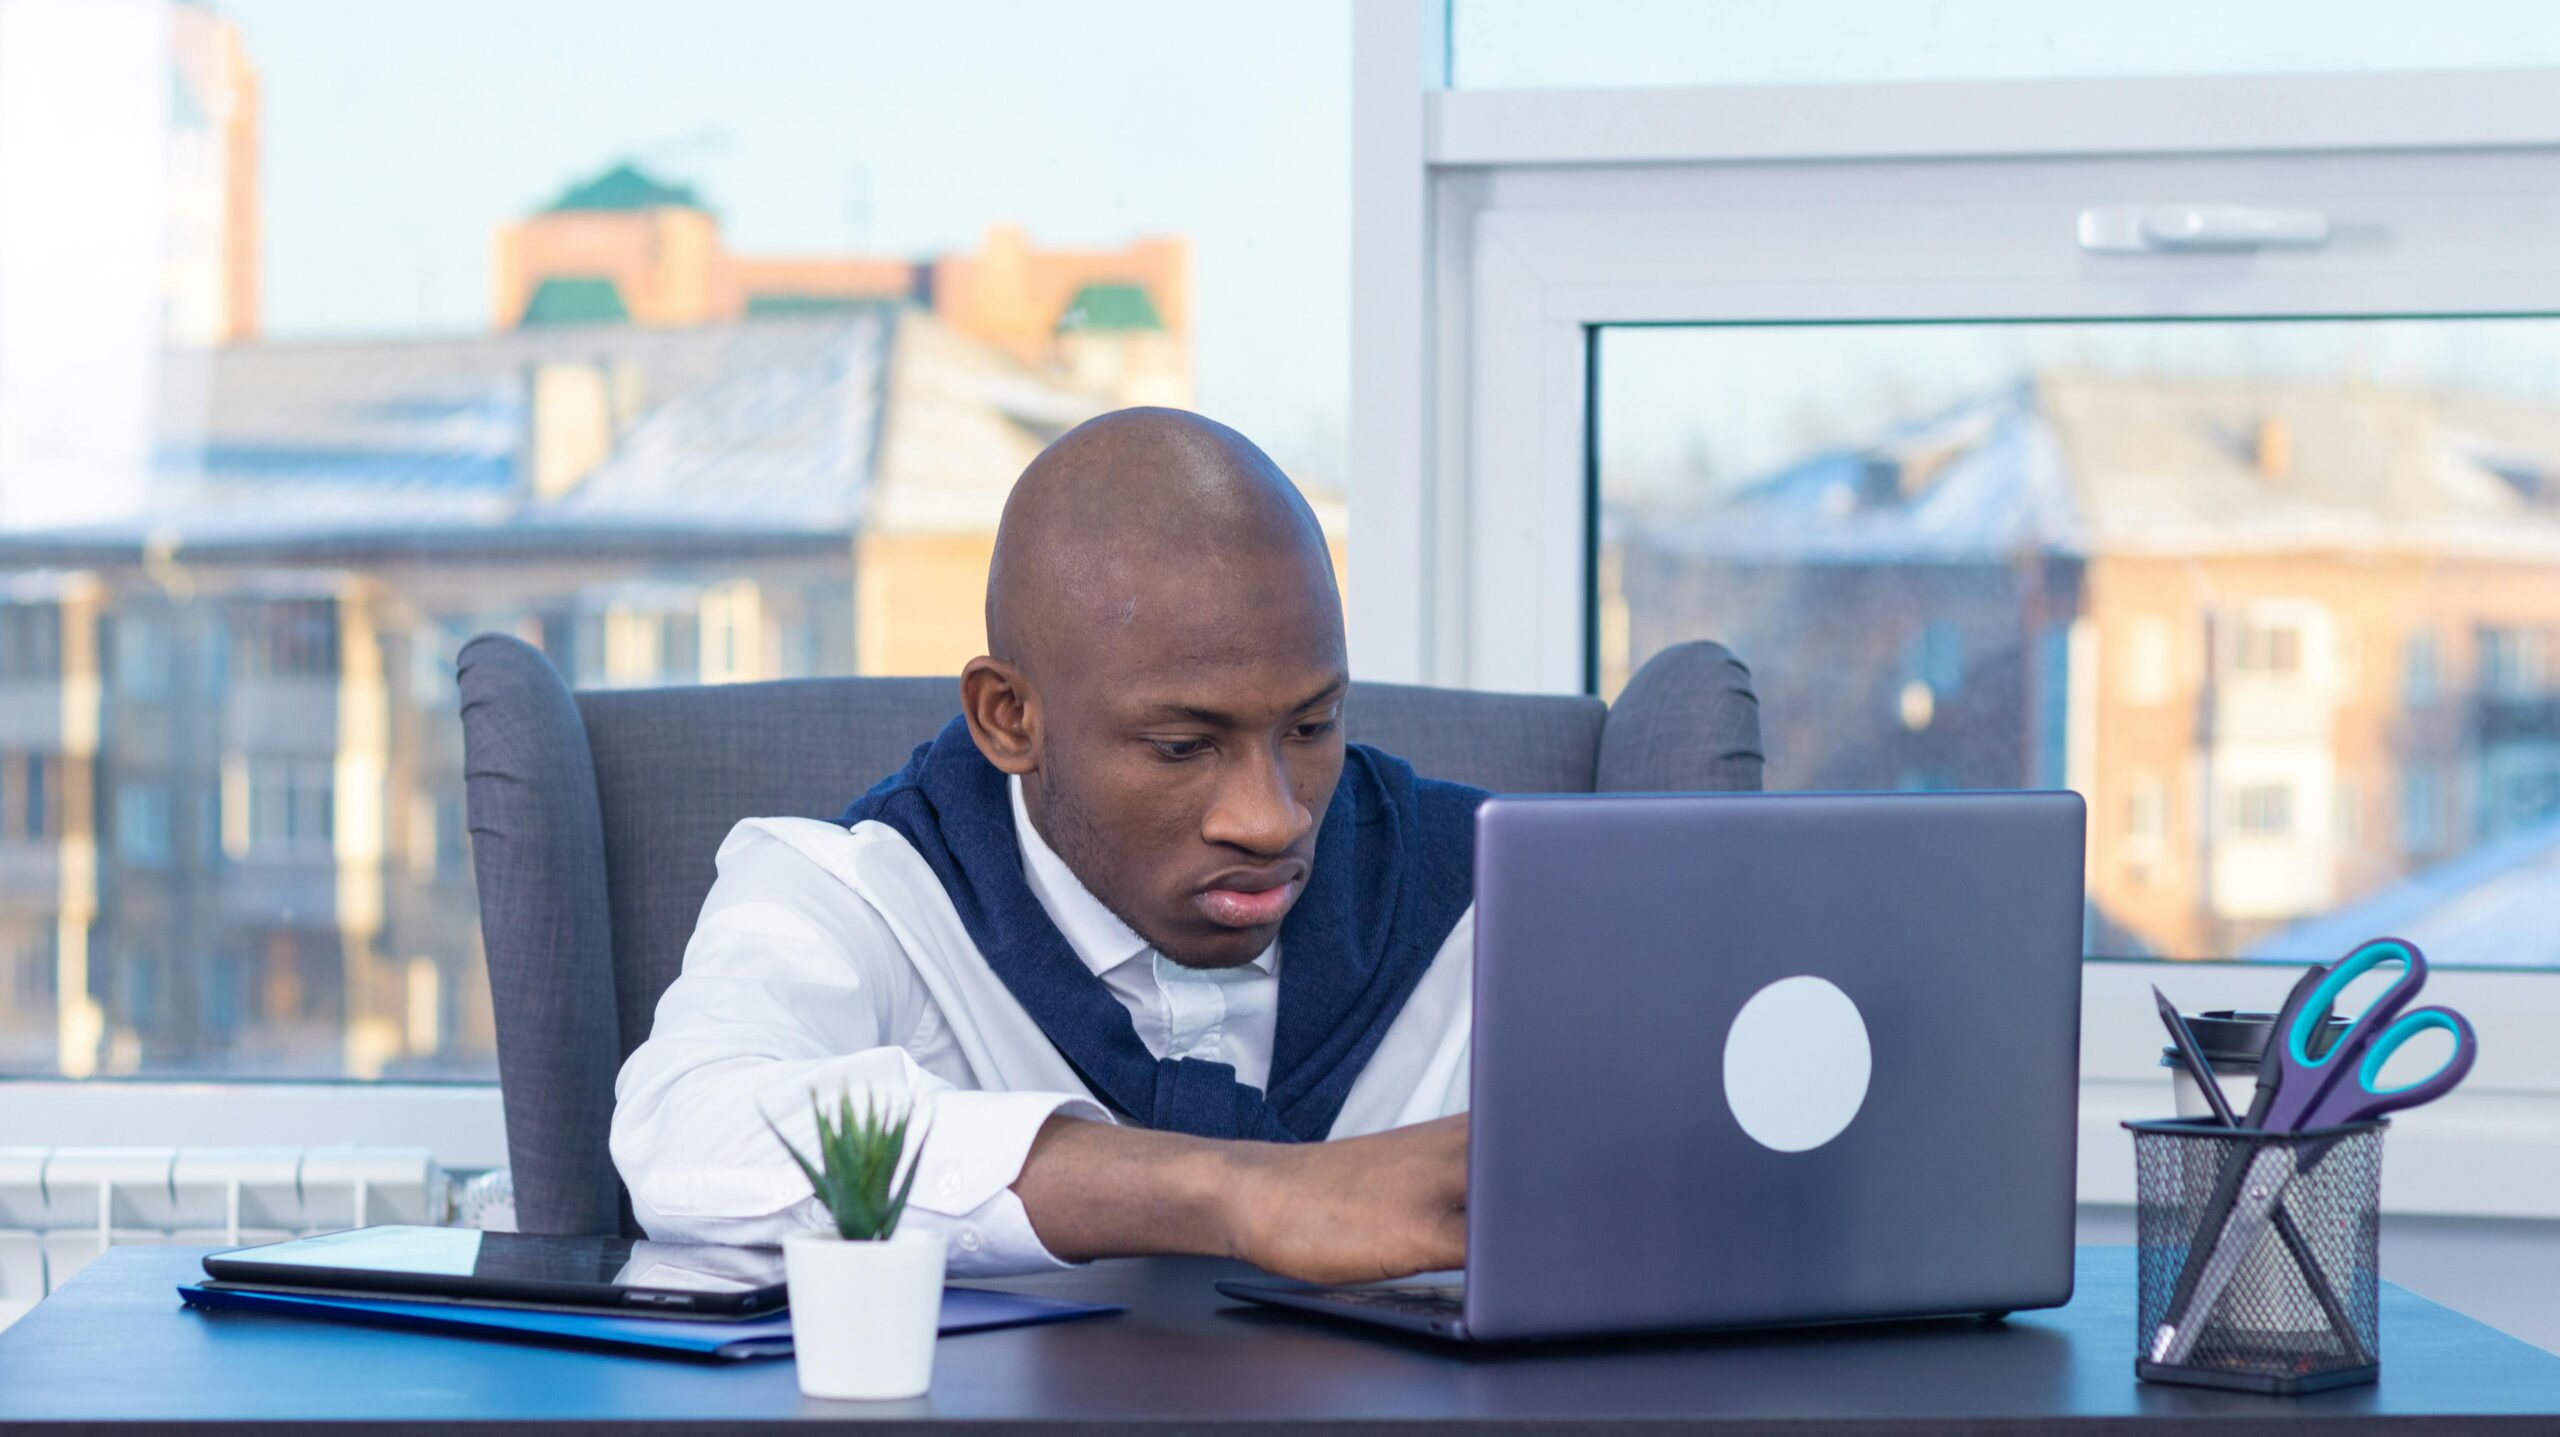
[(1495, 233)]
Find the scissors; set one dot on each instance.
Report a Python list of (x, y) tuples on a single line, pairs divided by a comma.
[(2340, 1085), (2336, 1088)]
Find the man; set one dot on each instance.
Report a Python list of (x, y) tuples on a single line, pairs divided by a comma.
[(1163, 965)]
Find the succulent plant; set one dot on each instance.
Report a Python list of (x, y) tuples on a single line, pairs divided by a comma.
[(856, 1172)]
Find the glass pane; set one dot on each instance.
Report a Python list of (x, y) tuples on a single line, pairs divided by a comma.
[(1597, 43), (2280, 598), (694, 344)]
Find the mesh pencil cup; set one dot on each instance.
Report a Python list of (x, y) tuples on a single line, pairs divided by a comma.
[(2258, 1255)]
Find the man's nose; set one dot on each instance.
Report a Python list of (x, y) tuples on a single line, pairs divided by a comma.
[(1257, 809)]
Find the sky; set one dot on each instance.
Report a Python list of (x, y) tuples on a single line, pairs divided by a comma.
[(398, 137)]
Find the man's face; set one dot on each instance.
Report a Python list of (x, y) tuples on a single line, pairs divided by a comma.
[(1189, 745)]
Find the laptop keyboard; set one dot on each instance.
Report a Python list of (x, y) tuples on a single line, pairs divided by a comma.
[(1420, 1300)]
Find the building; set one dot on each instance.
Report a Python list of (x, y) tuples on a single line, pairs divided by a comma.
[(139, 239), (2294, 642), (231, 823), (629, 247), (211, 254)]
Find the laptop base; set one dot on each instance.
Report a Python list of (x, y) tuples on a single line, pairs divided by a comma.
[(1435, 1309)]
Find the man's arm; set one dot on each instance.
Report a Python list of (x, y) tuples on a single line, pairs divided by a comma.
[(1354, 1210), (794, 986)]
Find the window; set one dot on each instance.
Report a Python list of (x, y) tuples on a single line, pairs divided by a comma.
[(2420, 676), (2146, 675), (142, 824), (141, 655), (2263, 810), (2422, 801), (2143, 849), (31, 809), (1989, 491), (2515, 661), (1807, 374), (725, 381), (290, 809), (2259, 649), (1661, 339)]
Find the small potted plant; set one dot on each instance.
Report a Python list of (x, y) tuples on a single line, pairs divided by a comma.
[(866, 1298)]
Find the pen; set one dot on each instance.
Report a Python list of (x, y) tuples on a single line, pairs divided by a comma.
[(2192, 1054)]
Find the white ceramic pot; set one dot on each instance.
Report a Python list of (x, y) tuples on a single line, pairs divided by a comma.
[(863, 1314)]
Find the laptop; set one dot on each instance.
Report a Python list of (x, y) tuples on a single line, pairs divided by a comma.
[(1749, 1060)]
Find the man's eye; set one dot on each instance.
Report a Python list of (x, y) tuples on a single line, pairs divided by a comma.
[(1317, 728), (1180, 748)]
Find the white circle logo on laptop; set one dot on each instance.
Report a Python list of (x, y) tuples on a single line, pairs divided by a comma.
[(1796, 1064)]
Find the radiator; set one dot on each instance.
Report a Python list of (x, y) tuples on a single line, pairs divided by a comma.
[(61, 1207)]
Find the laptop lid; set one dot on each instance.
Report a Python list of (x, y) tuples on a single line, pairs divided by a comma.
[(1673, 994)]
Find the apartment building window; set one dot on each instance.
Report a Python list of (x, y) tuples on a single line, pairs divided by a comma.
[(2263, 810), (292, 806), (2146, 809), (2515, 661), (296, 638), (2422, 801), (31, 641), (143, 829), (29, 804), (2272, 650), (141, 650), (2146, 668), (2420, 675)]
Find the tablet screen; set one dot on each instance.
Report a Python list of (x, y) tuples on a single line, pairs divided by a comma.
[(451, 1252)]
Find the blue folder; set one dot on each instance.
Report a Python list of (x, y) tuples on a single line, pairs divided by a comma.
[(964, 1309)]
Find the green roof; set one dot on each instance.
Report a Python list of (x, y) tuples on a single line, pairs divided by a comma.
[(1110, 306), (781, 304), (575, 299), (625, 187)]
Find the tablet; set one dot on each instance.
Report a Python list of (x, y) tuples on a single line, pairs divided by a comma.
[(460, 1264)]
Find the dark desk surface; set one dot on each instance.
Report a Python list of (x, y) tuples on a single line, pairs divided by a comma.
[(115, 1345)]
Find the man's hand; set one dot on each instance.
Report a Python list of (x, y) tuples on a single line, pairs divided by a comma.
[(1356, 1210)]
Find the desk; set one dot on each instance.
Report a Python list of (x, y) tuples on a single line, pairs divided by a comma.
[(114, 1345)]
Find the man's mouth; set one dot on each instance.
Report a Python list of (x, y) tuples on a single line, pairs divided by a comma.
[(1248, 900)]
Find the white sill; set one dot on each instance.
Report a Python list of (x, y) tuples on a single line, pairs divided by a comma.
[(2491, 1150)]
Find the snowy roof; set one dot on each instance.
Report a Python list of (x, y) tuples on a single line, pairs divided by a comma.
[(756, 433), (2075, 464), (2491, 908)]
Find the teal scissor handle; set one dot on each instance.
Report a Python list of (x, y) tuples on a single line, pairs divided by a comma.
[(2365, 1098), (2303, 1091)]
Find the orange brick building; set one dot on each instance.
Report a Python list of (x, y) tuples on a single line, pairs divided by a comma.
[(627, 247)]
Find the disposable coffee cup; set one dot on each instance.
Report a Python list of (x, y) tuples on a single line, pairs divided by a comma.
[(2232, 1044)]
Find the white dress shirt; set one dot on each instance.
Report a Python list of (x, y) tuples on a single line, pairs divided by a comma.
[(826, 959)]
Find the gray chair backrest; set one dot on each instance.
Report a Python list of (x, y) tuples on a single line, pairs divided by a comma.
[(595, 818)]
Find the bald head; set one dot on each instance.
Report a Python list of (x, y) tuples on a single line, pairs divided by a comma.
[(1132, 510), (1165, 674)]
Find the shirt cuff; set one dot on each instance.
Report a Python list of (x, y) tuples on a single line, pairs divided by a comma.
[(973, 1151)]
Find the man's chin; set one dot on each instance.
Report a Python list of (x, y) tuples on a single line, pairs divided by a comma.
[(1220, 947)]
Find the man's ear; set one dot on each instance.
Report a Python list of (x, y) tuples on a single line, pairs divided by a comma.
[(1003, 714)]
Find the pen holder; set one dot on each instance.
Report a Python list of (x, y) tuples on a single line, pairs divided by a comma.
[(2296, 1221)]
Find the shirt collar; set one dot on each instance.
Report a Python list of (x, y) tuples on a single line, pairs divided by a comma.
[(1096, 933)]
